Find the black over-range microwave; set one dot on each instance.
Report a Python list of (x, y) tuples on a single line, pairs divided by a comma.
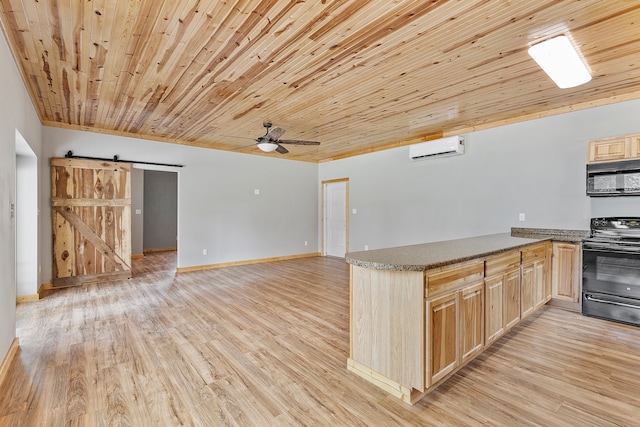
[(614, 178)]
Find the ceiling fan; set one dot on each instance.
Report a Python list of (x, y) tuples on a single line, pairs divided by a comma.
[(271, 141)]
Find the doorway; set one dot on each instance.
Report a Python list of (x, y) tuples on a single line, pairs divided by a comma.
[(26, 221), (154, 236), (160, 211), (335, 218)]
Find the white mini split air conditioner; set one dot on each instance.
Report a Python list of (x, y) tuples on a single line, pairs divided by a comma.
[(451, 146)]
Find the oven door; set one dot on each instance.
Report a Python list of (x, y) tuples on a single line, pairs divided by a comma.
[(611, 284), (611, 271)]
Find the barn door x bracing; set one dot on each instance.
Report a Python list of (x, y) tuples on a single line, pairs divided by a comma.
[(91, 214)]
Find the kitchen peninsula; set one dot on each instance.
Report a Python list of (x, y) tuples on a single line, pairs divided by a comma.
[(421, 312)]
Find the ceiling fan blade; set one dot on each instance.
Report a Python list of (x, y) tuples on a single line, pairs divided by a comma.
[(244, 146), (297, 142), (275, 133), (281, 149)]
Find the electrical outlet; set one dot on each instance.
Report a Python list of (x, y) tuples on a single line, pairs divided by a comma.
[(354, 211), (256, 191), (521, 217), (366, 247), (204, 252), (306, 243)]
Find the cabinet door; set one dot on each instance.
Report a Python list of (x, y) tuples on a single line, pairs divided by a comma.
[(609, 149), (471, 321), (539, 283), (494, 325), (512, 298), (566, 272), (443, 332), (527, 301)]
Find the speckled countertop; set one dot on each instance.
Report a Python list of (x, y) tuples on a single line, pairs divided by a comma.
[(430, 255), (575, 236)]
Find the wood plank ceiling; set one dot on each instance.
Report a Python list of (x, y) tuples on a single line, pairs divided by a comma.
[(357, 75)]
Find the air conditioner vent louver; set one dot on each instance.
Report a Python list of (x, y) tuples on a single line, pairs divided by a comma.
[(451, 146)]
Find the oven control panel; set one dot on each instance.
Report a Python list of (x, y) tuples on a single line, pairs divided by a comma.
[(608, 223)]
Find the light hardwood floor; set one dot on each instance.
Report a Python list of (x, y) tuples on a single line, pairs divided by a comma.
[(267, 344)]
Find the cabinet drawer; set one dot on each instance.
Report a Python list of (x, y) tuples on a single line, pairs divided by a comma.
[(500, 264), (450, 277), (534, 253)]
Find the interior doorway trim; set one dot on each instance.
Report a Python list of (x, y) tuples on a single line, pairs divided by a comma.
[(26, 222), (324, 213)]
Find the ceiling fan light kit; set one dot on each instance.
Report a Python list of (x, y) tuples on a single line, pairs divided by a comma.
[(559, 59), (267, 147), (271, 141)]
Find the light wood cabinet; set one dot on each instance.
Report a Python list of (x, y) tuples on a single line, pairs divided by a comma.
[(539, 284), (511, 298), (442, 330), (471, 322), (411, 330), (494, 324), (614, 149), (535, 290), (454, 317), (566, 280), (455, 330), (609, 149), (503, 304), (526, 295), (502, 288)]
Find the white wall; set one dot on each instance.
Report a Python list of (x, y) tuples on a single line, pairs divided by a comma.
[(217, 208), (16, 113), (536, 167)]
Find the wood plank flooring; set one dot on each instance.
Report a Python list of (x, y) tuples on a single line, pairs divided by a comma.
[(267, 344)]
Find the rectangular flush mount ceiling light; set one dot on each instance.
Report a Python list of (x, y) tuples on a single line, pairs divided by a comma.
[(560, 61)]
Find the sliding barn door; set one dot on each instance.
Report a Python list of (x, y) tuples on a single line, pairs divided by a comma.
[(91, 213)]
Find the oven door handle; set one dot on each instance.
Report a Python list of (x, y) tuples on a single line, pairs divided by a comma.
[(609, 250), (605, 301)]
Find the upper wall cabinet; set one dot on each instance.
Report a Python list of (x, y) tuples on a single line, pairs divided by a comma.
[(615, 148)]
